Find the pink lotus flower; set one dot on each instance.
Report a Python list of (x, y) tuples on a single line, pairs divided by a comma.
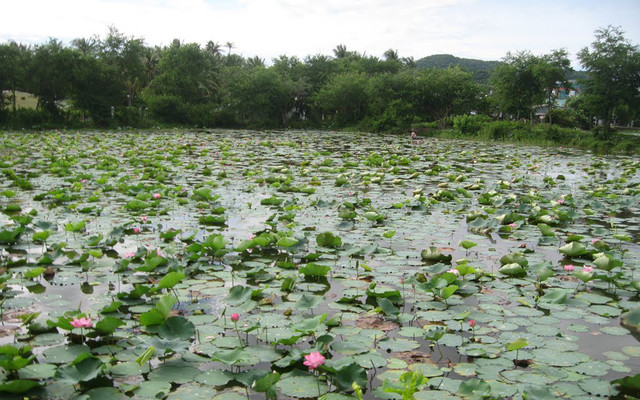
[(513, 225), (472, 323), (235, 317), (143, 218), (313, 360), (136, 230), (454, 271), (560, 201), (568, 267), (157, 195), (81, 322), (158, 253), (84, 181), (130, 254), (587, 269), (595, 240)]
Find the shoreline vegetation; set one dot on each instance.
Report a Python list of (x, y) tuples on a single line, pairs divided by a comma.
[(623, 141)]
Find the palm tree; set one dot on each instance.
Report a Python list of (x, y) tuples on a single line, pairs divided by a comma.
[(86, 46), (255, 62), (341, 51), (150, 59), (391, 55), (230, 46), (409, 62), (213, 48)]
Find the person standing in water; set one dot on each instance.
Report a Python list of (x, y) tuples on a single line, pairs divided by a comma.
[(414, 137)]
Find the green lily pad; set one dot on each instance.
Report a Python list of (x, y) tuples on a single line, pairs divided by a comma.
[(102, 393), (129, 368), (301, 387), (558, 359), (64, 354), (82, 371), (37, 371), (596, 387), (174, 373), (152, 389), (631, 320), (214, 378)]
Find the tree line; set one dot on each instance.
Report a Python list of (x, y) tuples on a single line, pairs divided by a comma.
[(121, 81)]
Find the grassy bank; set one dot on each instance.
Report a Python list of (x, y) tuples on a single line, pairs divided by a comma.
[(479, 128)]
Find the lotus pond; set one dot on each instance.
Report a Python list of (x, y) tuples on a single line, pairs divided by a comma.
[(237, 264)]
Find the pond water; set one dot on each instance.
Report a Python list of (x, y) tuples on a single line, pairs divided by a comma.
[(374, 250)]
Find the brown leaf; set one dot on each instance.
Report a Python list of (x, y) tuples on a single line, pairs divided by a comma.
[(414, 357), (376, 323)]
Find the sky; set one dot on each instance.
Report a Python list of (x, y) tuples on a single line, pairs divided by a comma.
[(482, 29)]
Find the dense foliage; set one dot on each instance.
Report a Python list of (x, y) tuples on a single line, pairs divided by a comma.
[(120, 81)]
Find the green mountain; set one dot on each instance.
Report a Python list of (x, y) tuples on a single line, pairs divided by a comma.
[(479, 68)]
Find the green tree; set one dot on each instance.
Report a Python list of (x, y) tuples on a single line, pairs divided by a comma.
[(344, 98), (184, 79), (613, 64), (50, 75), (255, 62), (230, 46), (259, 96), (341, 51), (96, 88), (213, 48), (391, 105), (127, 56), (551, 71), (86, 46), (445, 92), (391, 54), (150, 60), (317, 70), (13, 61), (516, 88)]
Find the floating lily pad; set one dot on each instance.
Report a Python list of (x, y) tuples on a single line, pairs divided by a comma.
[(174, 373), (214, 378), (64, 354), (152, 389), (301, 386)]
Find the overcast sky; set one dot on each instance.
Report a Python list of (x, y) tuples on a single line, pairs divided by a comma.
[(484, 29)]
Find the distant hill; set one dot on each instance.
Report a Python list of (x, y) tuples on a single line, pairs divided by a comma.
[(479, 68)]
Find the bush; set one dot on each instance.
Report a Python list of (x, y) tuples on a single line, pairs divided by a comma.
[(555, 134), (168, 109), (202, 115), (425, 127), (131, 116), (29, 118), (568, 118), (500, 130), (396, 117), (469, 124)]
